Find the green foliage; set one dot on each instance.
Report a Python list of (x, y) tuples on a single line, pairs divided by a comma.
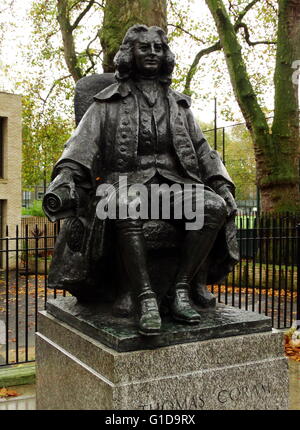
[(34, 210), (239, 157), (241, 162), (44, 135), (46, 34)]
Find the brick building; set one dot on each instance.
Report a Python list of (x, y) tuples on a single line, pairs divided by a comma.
[(10, 162)]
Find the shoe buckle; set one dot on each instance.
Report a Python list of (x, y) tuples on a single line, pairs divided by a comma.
[(149, 305), (183, 296)]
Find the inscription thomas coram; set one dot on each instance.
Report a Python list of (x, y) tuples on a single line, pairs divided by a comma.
[(223, 396)]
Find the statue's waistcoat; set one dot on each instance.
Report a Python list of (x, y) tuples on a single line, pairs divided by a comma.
[(122, 131)]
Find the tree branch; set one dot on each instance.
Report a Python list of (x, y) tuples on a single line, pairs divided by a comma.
[(175, 11), (74, 5), (272, 6), (9, 6), (217, 46), (242, 14), (85, 1), (44, 100), (193, 68), (68, 39), (186, 32), (90, 55), (247, 36), (82, 15)]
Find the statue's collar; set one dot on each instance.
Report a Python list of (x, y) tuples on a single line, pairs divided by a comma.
[(123, 89), (115, 90)]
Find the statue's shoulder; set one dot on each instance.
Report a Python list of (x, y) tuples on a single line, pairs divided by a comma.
[(181, 98)]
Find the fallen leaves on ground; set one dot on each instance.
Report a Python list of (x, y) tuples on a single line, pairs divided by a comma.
[(257, 291), (290, 350), (6, 392)]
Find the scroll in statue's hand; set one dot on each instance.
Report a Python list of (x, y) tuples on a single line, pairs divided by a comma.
[(61, 194)]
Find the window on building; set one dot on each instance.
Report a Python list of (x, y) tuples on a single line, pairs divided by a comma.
[(40, 195), (3, 122)]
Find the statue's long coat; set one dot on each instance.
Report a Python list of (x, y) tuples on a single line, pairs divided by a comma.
[(105, 145)]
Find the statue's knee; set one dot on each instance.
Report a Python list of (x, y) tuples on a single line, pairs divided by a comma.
[(221, 207), (215, 210)]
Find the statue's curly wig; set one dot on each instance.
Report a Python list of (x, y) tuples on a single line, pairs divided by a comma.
[(124, 59)]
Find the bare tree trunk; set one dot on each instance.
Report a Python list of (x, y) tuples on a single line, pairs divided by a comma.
[(119, 15)]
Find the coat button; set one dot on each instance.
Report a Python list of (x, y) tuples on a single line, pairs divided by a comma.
[(120, 163), (124, 135), (213, 154), (125, 122), (123, 148)]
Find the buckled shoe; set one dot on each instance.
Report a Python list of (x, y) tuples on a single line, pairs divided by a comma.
[(150, 320), (181, 308)]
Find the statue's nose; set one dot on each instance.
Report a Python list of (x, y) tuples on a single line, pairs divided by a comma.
[(152, 49)]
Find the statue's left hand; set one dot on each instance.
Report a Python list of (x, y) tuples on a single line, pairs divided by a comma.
[(229, 199)]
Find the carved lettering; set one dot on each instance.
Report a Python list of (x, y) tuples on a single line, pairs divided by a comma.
[(223, 396), (233, 394), (186, 403), (243, 392)]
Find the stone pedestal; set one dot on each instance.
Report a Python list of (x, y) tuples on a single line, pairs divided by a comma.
[(230, 371)]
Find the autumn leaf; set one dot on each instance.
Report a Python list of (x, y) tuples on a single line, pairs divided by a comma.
[(5, 392), (291, 351)]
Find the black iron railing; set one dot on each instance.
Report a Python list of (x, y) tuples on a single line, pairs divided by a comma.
[(23, 289), (265, 280)]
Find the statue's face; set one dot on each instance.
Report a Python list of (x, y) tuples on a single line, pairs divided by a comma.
[(148, 53)]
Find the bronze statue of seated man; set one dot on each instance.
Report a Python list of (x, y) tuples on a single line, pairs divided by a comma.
[(141, 129)]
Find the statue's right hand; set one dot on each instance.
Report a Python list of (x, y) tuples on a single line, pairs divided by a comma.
[(61, 195)]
